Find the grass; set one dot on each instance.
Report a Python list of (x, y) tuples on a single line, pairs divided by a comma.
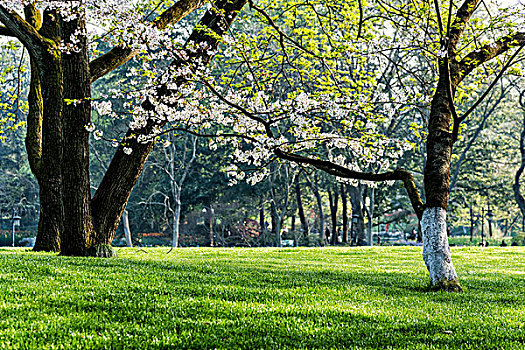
[(357, 298)]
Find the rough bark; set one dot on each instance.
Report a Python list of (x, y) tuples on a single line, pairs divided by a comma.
[(436, 251), (48, 236), (78, 228), (50, 176), (439, 146), (33, 139), (113, 192)]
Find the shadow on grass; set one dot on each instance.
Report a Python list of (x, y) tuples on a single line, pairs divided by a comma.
[(229, 304)]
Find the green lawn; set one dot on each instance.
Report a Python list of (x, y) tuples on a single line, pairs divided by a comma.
[(358, 298)]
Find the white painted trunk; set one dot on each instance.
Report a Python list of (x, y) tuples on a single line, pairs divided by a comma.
[(127, 231), (436, 251), (176, 222)]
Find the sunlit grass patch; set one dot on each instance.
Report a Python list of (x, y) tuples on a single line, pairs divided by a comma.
[(261, 298)]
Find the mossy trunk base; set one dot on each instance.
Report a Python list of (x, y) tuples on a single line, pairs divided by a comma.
[(447, 286)]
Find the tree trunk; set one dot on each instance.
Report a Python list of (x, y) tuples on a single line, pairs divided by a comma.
[(176, 221), (262, 220), (358, 227), (212, 236), (78, 228), (319, 201), (333, 198), (50, 173), (127, 230), (516, 186), (370, 223), (276, 220), (345, 213), (436, 252), (300, 207)]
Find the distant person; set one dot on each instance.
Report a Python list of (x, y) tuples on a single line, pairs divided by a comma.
[(503, 244), (514, 244), (448, 231)]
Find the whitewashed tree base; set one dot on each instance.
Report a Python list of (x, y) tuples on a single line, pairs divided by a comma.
[(436, 251)]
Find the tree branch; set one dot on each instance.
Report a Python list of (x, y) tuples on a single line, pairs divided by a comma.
[(6, 32), (460, 21), (494, 82), (340, 171), (33, 139), (25, 32), (119, 55), (177, 12), (485, 54)]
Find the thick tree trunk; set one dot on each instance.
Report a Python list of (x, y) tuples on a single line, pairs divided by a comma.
[(49, 225), (78, 228), (345, 213), (436, 252), (358, 227), (50, 175)]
